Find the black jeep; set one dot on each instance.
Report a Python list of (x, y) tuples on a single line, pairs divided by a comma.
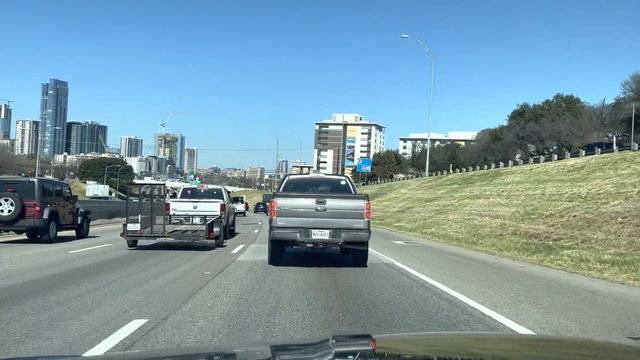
[(40, 207)]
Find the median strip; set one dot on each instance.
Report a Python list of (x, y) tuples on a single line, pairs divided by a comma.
[(115, 338), (89, 248), (483, 309)]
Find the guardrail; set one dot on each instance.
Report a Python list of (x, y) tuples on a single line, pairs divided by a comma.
[(511, 163)]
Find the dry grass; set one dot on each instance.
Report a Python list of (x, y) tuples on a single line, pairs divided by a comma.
[(581, 215)]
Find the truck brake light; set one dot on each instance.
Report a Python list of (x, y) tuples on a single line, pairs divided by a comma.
[(32, 210), (367, 210), (223, 209), (167, 208), (273, 209)]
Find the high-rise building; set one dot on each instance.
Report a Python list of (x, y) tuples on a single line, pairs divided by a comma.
[(53, 117), (5, 122), (171, 146), (190, 160), (342, 141), (86, 138), (130, 146), (75, 139), (27, 132), (283, 168), (95, 137)]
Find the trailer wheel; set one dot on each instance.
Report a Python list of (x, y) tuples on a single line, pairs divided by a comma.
[(132, 244), (220, 239)]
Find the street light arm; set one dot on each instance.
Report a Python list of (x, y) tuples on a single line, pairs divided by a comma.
[(426, 48)]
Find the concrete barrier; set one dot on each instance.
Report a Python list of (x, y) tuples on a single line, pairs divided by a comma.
[(530, 160), (484, 167), (470, 169), (554, 157), (493, 166), (520, 162), (501, 164), (477, 167), (567, 155), (541, 159), (581, 153), (598, 151), (634, 147), (510, 164)]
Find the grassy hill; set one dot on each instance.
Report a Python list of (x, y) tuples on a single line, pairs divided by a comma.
[(580, 215), (11, 164)]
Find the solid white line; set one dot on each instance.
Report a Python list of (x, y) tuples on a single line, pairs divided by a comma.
[(237, 249), (398, 242), (89, 248), (115, 338), (256, 230), (483, 309)]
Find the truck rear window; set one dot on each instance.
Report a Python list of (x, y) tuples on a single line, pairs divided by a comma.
[(25, 188), (195, 193), (317, 185)]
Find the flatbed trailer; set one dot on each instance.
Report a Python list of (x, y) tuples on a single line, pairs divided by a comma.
[(146, 218)]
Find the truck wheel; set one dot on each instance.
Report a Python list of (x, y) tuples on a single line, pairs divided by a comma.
[(360, 257), (32, 234), (132, 244), (10, 206), (232, 230), (276, 250), (220, 240), (50, 233), (82, 231)]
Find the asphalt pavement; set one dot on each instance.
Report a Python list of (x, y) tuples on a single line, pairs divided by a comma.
[(95, 295)]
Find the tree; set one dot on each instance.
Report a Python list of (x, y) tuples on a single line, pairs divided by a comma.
[(94, 170), (388, 163)]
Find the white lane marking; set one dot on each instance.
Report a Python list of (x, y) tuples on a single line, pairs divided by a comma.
[(398, 242), (256, 230), (89, 248), (483, 309), (115, 338), (237, 249)]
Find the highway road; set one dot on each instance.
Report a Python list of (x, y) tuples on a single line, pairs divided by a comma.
[(95, 295)]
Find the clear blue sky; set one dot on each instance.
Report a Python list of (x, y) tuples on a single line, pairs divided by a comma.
[(239, 74)]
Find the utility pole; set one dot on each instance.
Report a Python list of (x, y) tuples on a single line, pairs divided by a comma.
[(633, 121), (275, 173)]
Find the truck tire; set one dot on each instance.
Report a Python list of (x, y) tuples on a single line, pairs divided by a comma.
[(220, 240), (82, 231), (360, 257), (232, 229), (11, 206), (132, 244), (275, 252), (50, 233)]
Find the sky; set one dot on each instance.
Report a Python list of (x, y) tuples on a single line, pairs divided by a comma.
[(237, 75)]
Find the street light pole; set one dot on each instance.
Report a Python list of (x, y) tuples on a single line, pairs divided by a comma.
[(430, 53), (633, 122)]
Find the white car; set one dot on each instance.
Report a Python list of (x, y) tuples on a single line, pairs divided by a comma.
[(240, 204)]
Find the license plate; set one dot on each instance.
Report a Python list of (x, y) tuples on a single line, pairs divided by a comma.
[(133, 227), (319, 234)]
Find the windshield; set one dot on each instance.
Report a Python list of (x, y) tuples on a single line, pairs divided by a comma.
[(24, 188), (317, 185), (201, 194), (288, 171)]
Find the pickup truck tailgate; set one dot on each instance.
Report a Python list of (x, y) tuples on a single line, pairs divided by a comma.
[(191, 207), (330, 211)]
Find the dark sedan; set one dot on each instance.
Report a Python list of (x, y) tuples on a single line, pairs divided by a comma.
[(260, 207)]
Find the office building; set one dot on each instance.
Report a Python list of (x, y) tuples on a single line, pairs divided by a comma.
[(5, 122), (27, 132), (256, 173), (190, 160), (130, 146), (53, 117), (171, 146), (418, 141), (341, 142), (282, 169), (75, 138), (140, 165), (86, 138)]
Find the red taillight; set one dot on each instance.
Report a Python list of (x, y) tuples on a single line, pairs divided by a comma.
[(167, 208), (273, 209), (223, 209), (32, 210), (367, 211)]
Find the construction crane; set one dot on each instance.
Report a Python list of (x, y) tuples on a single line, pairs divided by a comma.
[(163, 122), (105, 147)]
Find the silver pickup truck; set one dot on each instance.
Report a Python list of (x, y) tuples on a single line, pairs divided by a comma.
[(319, 211)]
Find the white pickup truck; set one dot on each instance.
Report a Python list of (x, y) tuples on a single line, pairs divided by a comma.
[(240, 204), (206, 200)]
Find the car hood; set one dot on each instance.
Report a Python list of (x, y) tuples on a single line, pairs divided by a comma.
[(399, 346)]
